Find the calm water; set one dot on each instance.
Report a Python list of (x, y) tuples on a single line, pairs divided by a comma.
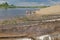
[(12, 12)]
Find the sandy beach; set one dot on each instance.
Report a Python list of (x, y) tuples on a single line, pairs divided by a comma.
[(52, 10)]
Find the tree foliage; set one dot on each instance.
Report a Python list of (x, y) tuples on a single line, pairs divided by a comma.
[(6, 5)]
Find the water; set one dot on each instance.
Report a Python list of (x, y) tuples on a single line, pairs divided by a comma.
[(12, 12)]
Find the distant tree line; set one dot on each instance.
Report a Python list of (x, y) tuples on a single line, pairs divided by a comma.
[(6, 5), (32, 6)]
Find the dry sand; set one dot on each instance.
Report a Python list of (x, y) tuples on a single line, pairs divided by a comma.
[(50, 10)]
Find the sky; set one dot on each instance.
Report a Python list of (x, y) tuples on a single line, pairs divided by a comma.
[(31, 2)]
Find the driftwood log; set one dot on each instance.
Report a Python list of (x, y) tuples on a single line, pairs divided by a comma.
[(31, 30)]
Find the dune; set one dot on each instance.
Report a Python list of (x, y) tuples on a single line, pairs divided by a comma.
[(49, 10)]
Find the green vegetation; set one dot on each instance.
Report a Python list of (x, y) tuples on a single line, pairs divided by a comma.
[(6, 5), (17, 20), (32, 6)]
